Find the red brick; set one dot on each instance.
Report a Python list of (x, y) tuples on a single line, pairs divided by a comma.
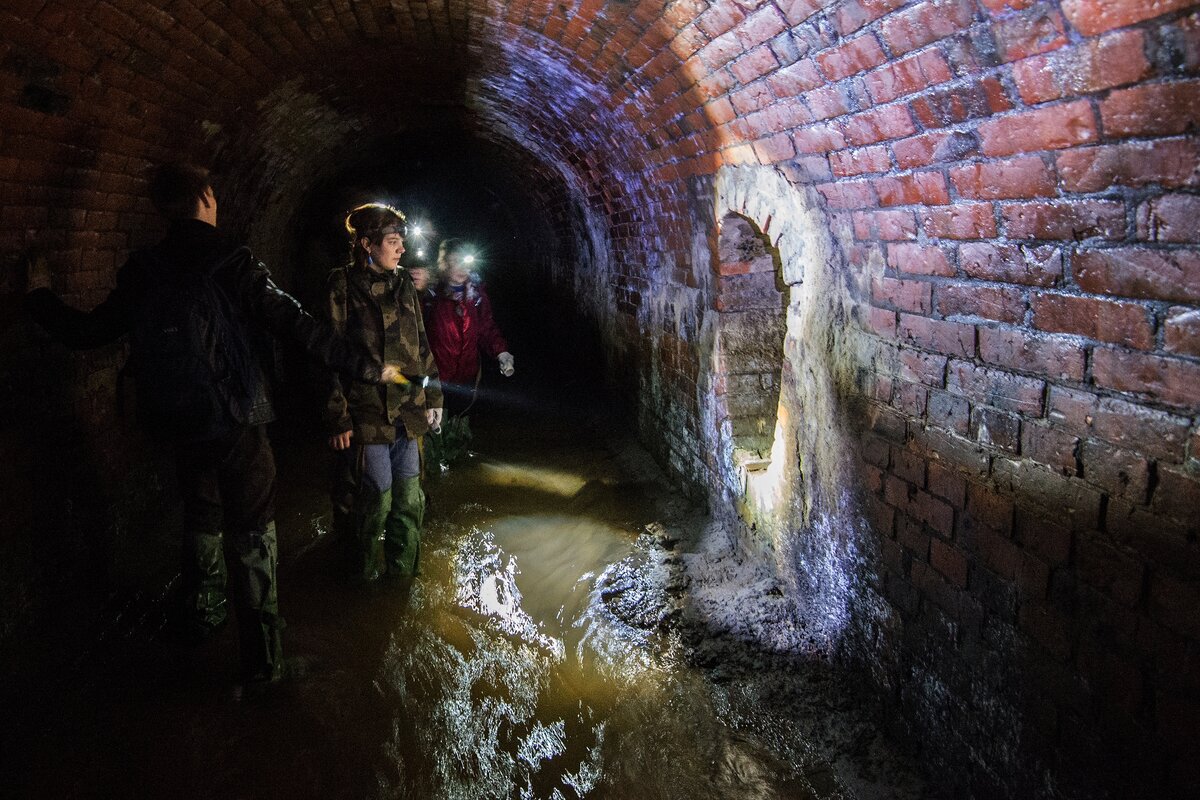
[(1033, 30), (1004, 180), (910, 399), (851, 58), (990, 509), (908, 466), (1116, 573), (1121, 473), (1052, 128), (951, 338), (948, 561), (1039, 265), (1003, 390), (882, 322), (818, 139), (1050, 446), (947, 484), (773, 149), (1169, 219), (1140, 272), (1161, 109), (919, 151), (997, 429), (913, 537), (719, 19), (960, 103), (906, 76), (997, 553), (848, 194), (918, 188), (1001, 303), (1023, 351), (758, 62), (935, 513), (1071, 409), (950, 412), (889, 225), (1090, 17), (796, 11), (1171, 163), (919, 259), (1181, 331), (1167, 380), (960, 221), (1177, 494), (877, 125), (904, 295), (795, 79), (918, 26), (853, 15), (859, 162), (1081, 219), (1105, 320), (1115, 60), (925, 368), (1144, 430)]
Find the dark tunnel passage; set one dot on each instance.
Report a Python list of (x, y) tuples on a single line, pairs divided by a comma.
[(864, 333)]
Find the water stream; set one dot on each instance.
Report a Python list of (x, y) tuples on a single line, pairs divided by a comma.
[(536, 657)]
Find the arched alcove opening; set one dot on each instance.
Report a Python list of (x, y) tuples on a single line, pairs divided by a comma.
[(750, 301)]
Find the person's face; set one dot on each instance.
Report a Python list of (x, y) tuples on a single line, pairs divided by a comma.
[(420, 277), (456, 270), (386, 254)]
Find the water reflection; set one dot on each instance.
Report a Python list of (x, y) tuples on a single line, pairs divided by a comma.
[(534, 659)]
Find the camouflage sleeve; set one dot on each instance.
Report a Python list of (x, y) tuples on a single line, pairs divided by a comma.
[(433, 389), (336, 414)]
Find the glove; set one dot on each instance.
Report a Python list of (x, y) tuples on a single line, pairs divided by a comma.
[(434, 415), (506, 364)]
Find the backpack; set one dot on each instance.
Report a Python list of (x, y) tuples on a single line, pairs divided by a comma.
[(195, 372)]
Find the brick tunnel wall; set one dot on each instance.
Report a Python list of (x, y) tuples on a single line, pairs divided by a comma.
[(1005, 191)]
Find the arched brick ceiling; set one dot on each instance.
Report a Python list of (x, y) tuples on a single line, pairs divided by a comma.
[(585, 96)]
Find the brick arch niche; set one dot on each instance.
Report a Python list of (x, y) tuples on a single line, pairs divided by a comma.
[(751, 301)]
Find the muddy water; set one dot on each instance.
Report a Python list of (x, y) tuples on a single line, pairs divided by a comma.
[(534, 658)]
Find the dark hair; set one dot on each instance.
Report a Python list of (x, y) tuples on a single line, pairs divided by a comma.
[(372, 221), (177, 187)]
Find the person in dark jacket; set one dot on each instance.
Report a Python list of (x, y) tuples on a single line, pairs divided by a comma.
[(225, 467), (458, 317), (378, 503)]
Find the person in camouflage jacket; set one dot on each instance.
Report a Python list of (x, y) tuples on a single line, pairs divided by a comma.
[(378, 503)]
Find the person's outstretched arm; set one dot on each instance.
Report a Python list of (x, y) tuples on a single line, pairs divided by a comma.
[(283, 316), (79, 330)]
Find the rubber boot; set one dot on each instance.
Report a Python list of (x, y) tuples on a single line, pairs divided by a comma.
[(402, 531), (360, 531), (204, 577), (256, 599)]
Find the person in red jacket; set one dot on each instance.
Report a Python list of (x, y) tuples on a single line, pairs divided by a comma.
[(460, 326)]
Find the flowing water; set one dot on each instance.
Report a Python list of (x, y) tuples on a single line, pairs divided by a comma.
[(534, 658)]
